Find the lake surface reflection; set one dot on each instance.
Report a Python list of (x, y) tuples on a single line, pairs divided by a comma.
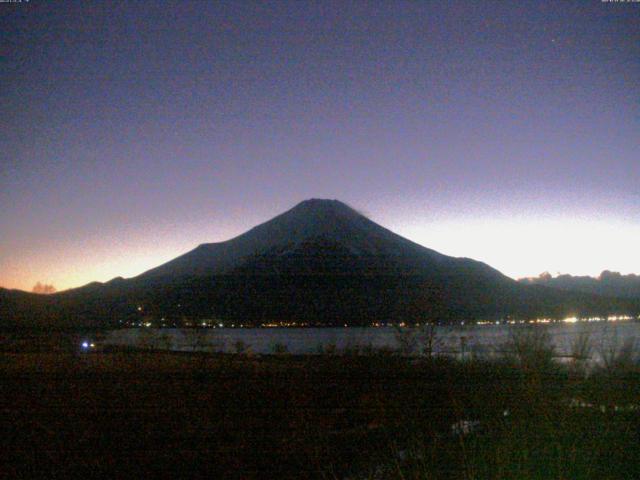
[(601, 338)]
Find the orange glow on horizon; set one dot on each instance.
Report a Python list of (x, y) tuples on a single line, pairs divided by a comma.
[(516, 248)]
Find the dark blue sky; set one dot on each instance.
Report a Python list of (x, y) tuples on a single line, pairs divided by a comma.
[(133, 131)]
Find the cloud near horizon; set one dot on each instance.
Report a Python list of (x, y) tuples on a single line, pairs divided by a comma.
[(45, 289)]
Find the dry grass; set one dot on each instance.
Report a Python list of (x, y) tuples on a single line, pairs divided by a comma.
[(136, 414)]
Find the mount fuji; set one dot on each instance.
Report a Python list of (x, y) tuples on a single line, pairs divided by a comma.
[(319, 263)]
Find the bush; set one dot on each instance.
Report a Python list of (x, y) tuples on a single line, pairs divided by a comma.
[(146, 338), (165, 341), (619, 356), (428, 338), (326, 349), (530, 348), (241, 347), (407, 340), (280, 349)]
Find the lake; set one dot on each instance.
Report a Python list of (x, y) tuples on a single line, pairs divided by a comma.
[(602, 338)]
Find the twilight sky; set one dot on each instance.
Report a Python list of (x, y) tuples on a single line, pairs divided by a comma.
[(508, 132)]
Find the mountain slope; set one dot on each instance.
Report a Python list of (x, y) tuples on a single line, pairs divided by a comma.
[(321, 263), (312, 219)]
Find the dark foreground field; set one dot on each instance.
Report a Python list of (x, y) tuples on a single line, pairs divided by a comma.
[(151, 414)]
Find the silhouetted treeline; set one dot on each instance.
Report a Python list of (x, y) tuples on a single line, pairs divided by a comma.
[(612, 284)]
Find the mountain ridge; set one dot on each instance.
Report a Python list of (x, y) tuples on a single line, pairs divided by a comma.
[(314, 218), (321, 263)]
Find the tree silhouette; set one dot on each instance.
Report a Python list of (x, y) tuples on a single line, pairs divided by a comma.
[(45, 289)]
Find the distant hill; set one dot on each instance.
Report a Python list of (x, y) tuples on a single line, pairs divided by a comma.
[(609, 283), (19, 307), (322, 263)]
